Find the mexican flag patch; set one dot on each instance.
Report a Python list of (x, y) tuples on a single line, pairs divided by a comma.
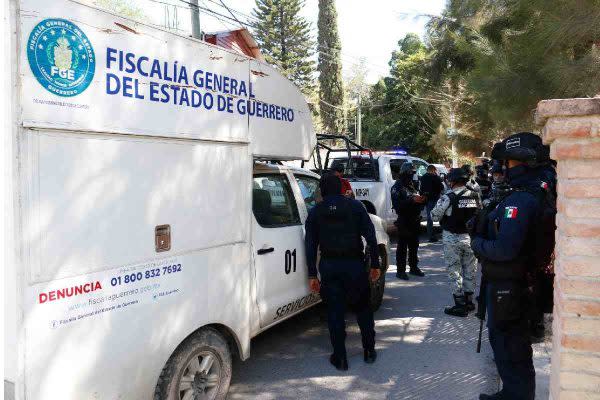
[(511, 212)]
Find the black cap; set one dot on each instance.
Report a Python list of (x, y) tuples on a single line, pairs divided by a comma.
[(457, 175), (330, 184), (468, 169), (339, 167), (522, 146), (497, 167)]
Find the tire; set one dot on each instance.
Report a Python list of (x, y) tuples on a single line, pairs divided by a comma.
[(378, 287), (178, 381)]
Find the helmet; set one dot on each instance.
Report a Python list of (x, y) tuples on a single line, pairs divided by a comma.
[(407, 168), (497, 167), (522, 146), (458, 175), (468, 170)]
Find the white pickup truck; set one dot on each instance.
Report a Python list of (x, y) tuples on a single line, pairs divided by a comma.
[(372, 178), (145, 239)]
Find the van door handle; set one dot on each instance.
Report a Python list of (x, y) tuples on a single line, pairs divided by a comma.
[(265, 251)]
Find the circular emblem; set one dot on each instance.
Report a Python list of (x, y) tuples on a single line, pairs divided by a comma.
[(61, 57)]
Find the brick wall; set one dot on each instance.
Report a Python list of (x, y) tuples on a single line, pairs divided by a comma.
[(572, 128)]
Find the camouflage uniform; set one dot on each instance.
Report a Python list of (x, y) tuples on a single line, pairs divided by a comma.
[(460, 260)]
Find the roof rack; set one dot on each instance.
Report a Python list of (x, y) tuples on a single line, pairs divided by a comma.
[(327, 141)]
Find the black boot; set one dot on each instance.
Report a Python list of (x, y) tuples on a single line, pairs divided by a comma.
[(401, 274), (416, 271), (370, 356), (469, 301), (460, 307), (339, 363)]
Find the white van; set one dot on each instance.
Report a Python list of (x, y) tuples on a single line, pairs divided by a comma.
[(134, 266)]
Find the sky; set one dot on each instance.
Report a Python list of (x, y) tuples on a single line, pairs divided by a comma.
[(368, 28)]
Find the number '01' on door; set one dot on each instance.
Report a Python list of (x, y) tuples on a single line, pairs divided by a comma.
[(290, 261)]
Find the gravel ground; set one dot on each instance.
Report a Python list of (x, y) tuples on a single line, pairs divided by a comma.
[(423, 353)]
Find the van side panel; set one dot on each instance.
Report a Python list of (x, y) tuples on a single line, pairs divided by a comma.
[(104, 310)]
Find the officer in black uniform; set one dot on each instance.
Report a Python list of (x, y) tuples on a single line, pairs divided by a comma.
[(336, 226), (505, 251), (408, 204)]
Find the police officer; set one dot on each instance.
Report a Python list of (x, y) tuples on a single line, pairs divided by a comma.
[(453, 210), (336, 226), (408, 204), (505, 253)]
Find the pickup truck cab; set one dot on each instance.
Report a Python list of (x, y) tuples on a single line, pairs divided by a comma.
[(373, 177)]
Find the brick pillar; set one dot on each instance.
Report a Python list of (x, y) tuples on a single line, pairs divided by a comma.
[(572, 128)]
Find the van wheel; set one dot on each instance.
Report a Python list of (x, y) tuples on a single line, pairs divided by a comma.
[(378, 287), (200, 368)]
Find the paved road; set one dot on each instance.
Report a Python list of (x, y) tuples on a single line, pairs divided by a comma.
[(423, 354)]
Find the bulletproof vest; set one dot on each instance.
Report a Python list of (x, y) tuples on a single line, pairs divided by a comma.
[(538, 246), (339, 233), (542, 235), (464, 206)]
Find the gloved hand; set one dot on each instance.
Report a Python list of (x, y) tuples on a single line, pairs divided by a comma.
[(472, 226), (480, 307)]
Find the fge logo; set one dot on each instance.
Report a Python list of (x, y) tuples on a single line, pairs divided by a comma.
[(61, 57)]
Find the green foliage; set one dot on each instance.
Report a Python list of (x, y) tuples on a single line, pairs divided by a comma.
[(396, 113), (331, 87), (513, 53), (483, 67), (284, 39)]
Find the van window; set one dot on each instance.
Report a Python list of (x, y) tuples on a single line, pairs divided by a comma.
[(309, 187), (273, 202), (363, 167), (420, 166)]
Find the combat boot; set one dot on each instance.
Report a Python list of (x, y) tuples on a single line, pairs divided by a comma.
[(401, 274), (340, 364), (469, 301), (416, 271), (460, 307)]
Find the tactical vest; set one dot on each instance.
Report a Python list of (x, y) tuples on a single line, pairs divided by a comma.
[(464, 208), (339, 233)]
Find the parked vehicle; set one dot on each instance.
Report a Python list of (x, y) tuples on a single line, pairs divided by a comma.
[(146, 242), (371, 174)]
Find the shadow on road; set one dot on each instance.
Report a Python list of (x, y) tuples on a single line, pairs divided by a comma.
[(423, 353)]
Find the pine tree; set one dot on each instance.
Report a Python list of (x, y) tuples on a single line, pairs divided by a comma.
[(284, 39), (331, 90)]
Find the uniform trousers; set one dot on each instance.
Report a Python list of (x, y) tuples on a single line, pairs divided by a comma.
[(511, 345), (346, 282), (460, 261), (408, 244)]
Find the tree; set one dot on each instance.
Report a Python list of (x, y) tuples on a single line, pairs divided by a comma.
[(125, 8), (397, 113), (355, 87), (284, 39), (331, 88)]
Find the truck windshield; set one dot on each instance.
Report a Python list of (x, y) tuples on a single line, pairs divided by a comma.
[(363, 168)]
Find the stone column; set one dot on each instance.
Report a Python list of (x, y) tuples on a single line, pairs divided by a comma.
[(572, 128)]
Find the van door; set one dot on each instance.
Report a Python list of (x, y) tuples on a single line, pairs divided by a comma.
[(278, 245)]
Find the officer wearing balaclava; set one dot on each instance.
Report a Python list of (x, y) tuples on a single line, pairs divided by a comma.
[(336, 227)]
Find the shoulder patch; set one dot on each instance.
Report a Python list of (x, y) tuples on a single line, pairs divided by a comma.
[(544, 185), (511, 212)]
